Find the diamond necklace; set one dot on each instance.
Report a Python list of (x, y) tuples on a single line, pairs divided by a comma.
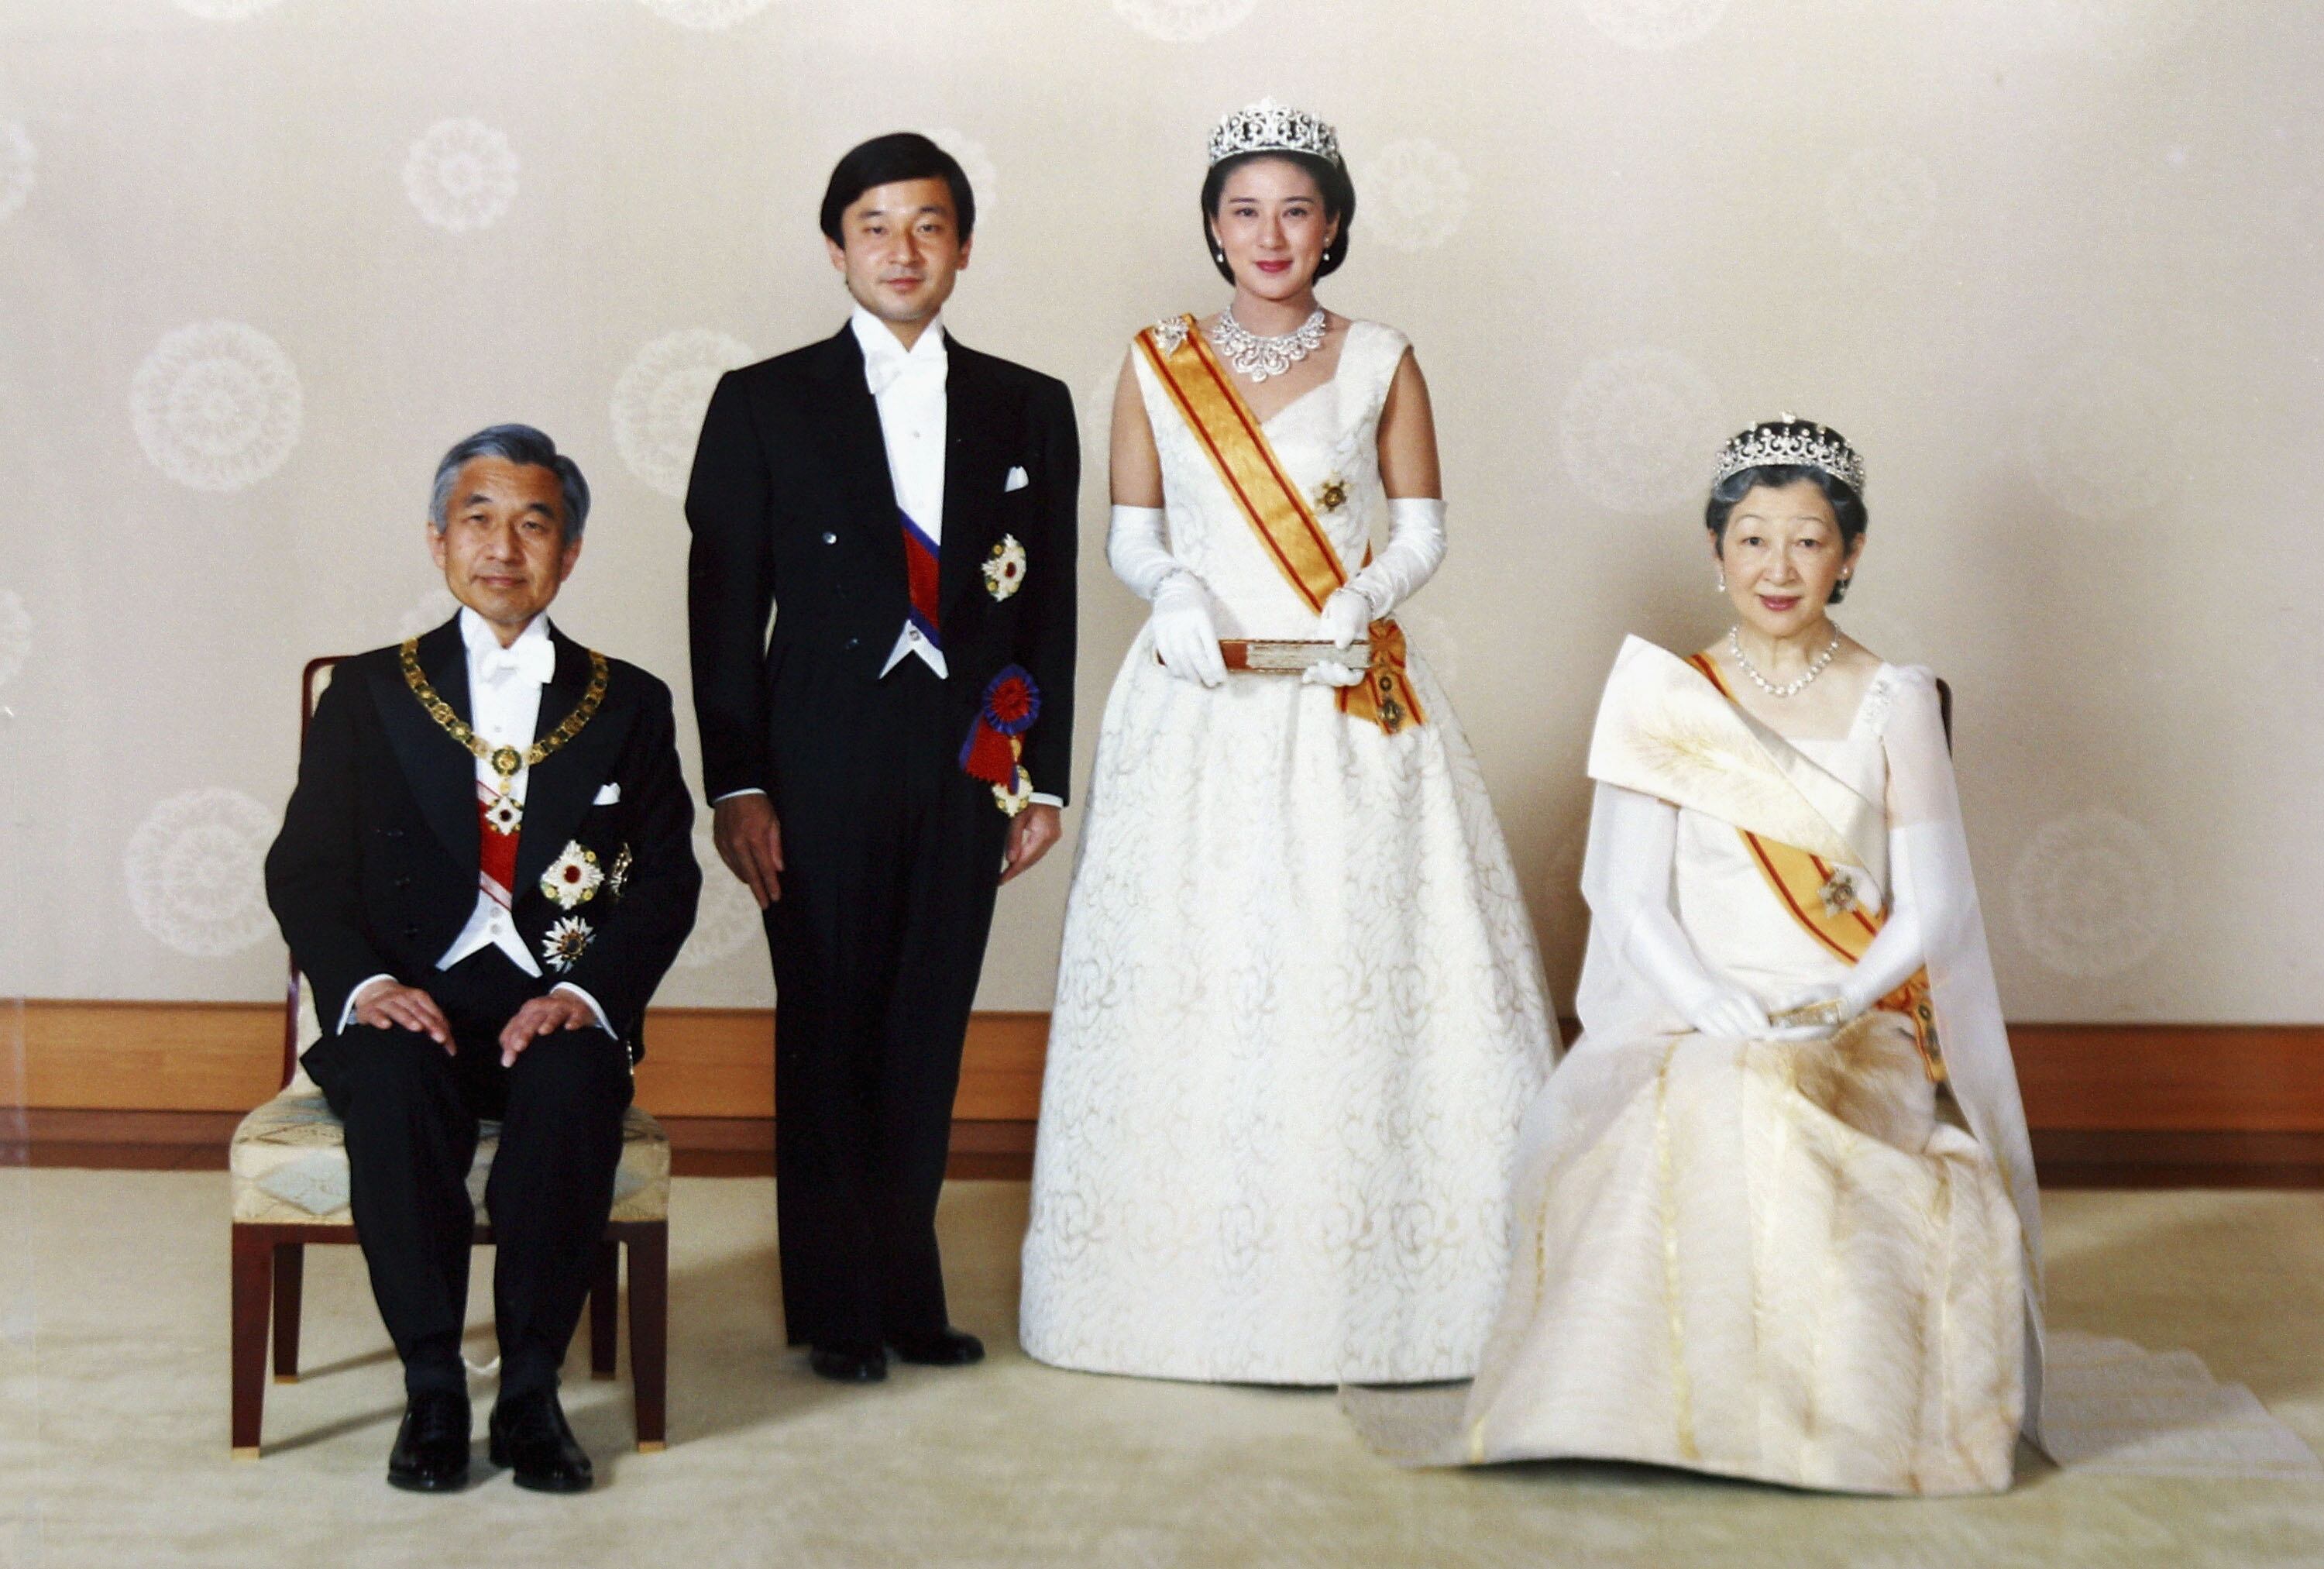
[(1261, 357), (1815, 667)]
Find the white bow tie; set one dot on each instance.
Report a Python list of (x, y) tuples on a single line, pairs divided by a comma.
[(535, 661), (882, 371)]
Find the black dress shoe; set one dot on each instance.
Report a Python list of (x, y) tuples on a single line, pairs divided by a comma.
[(431, 1445), (529, 1437), (849, 1364), (946, 1348)]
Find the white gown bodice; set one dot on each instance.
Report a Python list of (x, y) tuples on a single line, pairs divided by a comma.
[(1720, 896), (1330, 432)]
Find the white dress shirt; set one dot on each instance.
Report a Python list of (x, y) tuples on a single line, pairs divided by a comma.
[(504, 710), (908, 385)]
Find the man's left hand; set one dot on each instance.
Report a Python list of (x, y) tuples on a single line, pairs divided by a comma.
[(543, 1016), (1030, 834)]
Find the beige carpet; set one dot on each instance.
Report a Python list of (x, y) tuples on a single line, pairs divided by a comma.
[(112, 1425)]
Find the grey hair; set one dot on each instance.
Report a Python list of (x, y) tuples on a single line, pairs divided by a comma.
[(519, 444)]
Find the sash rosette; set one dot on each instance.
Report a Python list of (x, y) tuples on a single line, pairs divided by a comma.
[(996, 737)]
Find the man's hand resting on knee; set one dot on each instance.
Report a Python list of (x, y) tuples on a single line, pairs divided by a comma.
[(543, 1016), (387, 1004)]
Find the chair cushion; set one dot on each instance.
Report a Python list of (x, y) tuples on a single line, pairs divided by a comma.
[(289, 1164)]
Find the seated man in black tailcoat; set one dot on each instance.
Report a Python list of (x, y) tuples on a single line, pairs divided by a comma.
[(484, 872)]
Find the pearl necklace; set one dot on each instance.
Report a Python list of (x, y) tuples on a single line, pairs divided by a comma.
[(1261, 357), (1815, 667)]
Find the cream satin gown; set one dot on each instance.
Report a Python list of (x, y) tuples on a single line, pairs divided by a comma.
[(1777, 1259)]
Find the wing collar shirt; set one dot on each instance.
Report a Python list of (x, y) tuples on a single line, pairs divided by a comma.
[(504, 710), (908, 385)]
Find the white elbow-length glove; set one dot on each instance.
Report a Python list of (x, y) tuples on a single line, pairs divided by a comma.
[(1416, 548), (1185, 636), (1634, 845), (1893, 957)]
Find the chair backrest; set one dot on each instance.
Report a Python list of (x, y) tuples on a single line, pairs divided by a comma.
[(311, 682)]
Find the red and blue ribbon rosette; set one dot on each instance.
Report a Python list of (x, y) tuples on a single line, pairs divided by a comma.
[(995, 737)]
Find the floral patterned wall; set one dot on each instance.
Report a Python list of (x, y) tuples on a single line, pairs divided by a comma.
[(2053, 263)]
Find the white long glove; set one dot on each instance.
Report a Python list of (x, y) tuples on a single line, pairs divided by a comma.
[(1634, 849), (1416, 548), (1135, 550), (1896, 955), (1185, 636)]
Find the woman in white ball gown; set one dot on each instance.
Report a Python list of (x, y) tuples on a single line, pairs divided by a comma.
[(1776, 1213), (1299, 1008)]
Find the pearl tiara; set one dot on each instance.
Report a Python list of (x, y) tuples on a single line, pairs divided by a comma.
[(1267, 126), (1798, 443)]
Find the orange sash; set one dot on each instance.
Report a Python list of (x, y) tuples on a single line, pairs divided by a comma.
[(1824, 903), (1278, 513)]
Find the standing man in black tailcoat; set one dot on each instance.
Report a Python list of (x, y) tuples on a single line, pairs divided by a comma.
[(899, 746), (485, 869)]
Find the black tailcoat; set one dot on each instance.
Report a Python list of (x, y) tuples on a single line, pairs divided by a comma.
[(891, 851), (374, 871)]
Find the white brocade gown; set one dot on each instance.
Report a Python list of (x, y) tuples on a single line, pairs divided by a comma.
[(1299, 1009)]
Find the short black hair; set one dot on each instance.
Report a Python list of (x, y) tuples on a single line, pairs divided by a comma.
[(526, 447), (1331, 179), (884, 160), (1847, 505)]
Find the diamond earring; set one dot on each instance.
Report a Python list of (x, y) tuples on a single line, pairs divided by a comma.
[(1723, 584)]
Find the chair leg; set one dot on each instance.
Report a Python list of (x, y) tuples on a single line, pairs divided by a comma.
[(649, 1330), (289, 1277), (605, 1310), (254, 1267)]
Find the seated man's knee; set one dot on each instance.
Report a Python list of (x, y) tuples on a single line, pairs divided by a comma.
[(391, 1064), (576, 1068)]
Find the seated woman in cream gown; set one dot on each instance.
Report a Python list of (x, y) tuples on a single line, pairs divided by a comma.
[(1751, 1237), (1299, 1009)]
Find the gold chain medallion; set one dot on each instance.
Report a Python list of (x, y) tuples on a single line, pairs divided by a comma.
[(504, 761)]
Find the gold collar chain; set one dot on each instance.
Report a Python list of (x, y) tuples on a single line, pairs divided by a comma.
[(504, 761)]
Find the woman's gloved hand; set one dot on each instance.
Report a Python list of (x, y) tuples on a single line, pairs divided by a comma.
[(1186, 637), (1727, 1016)]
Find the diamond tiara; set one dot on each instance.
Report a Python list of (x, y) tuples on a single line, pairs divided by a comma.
[(1794, 442), (1267, 126)]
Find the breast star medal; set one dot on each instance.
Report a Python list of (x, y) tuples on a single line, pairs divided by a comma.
[(1838, 894), (1331, 495), (572, 879), (562, 946), (1004, 574)]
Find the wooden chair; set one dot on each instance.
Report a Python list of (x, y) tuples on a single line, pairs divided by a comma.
[(290, 1182)]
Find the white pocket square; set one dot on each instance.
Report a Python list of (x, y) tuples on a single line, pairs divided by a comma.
[(607, 795), (1016, 481)]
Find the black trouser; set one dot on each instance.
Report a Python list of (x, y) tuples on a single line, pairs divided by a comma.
[(412, 1110), (891, 854)]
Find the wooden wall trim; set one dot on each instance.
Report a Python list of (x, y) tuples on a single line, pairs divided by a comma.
[(718, 1063)]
